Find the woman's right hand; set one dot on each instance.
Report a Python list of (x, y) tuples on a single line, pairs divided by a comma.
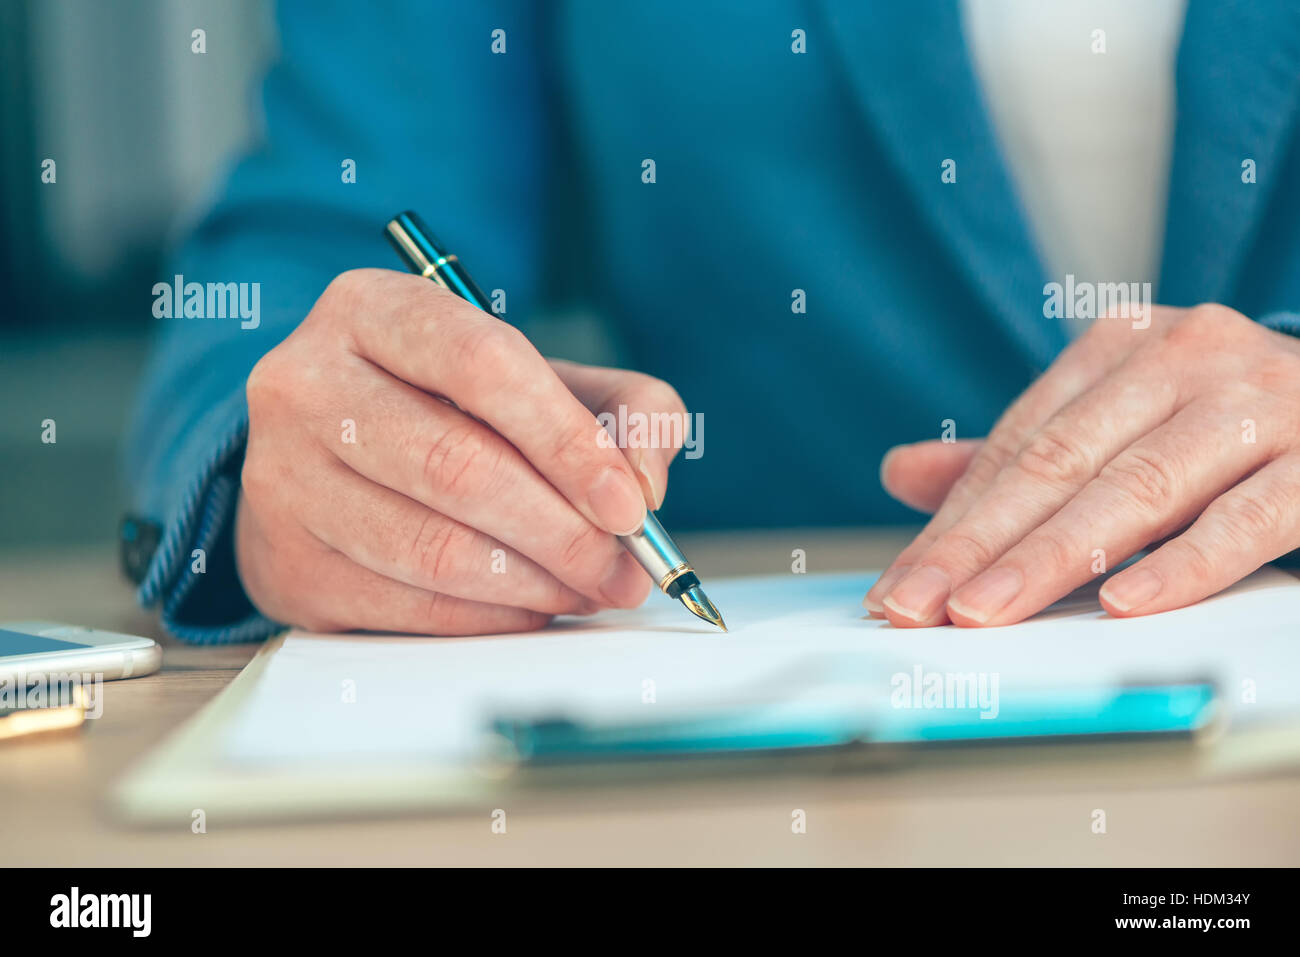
[(370, 503)]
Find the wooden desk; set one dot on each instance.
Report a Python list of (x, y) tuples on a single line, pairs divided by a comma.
[(1034, 808)]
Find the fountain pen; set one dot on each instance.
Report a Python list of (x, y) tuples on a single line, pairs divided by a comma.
[(650, 545)]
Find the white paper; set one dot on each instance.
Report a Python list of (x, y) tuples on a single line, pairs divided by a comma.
[(794, 638)]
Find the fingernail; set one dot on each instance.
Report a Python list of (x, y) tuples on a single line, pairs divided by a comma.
[(622, 586), (988, 594), (881, 588), (921, 594), (616, 503), (656, 497), (1133, 588)]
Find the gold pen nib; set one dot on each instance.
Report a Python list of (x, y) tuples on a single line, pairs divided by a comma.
[(698, 604)]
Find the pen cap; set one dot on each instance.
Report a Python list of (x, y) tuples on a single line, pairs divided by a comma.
[(417, 246), (424, 254)]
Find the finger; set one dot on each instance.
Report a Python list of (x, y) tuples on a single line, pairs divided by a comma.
[(1083, 363), (340, 595), (355, 598), (456, 466), (653, 440), (433, 340), (921, 474), (1155, 486), (1052, 467), (1252, 523), (399, 538)]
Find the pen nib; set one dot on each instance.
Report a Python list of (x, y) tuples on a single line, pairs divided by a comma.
[(698, 604)]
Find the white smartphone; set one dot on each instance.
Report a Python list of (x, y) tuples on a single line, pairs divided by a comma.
[(43, 647)]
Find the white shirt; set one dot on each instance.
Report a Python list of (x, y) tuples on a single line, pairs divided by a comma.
[(1087, 135)]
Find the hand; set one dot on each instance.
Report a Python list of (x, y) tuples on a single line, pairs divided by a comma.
[(1135, 433), (368, 502)]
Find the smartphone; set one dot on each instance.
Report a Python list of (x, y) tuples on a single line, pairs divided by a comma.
[(44, 647)]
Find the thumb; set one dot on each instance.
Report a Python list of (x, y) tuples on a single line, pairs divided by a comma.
[(921, 474), (656, 417)]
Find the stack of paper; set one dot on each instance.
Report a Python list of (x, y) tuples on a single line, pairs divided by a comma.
[(795, 640)]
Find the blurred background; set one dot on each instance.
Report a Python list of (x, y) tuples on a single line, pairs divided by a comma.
[(139, 129)]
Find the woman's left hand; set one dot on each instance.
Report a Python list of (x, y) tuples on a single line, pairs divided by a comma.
[(1188, 419)]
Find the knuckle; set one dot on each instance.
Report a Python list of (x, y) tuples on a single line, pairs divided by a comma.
[(490, 349), (1248, 518), (993, 456), (1143, 476), (255, 479), (341, 297), (576, 552), (340, 289), (1055, 550), (1204, 325), (440, 612), (912, 553), (1192, 559), (1213, 315), (575, 449), (1054, 458), (266, 386), (1006, 439), (971, 552), (345, 282), (437, 546), (268, 478), (983, 469), (916, 548), (459, 461), (559, 600), (351, 285)]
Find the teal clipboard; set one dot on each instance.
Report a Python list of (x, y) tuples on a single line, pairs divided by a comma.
[(1139, 710)]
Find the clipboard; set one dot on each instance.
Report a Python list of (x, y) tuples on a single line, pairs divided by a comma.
[(1166, 726), (1138, 711)]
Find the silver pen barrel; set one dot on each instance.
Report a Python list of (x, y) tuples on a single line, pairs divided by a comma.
[(657, 553)]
